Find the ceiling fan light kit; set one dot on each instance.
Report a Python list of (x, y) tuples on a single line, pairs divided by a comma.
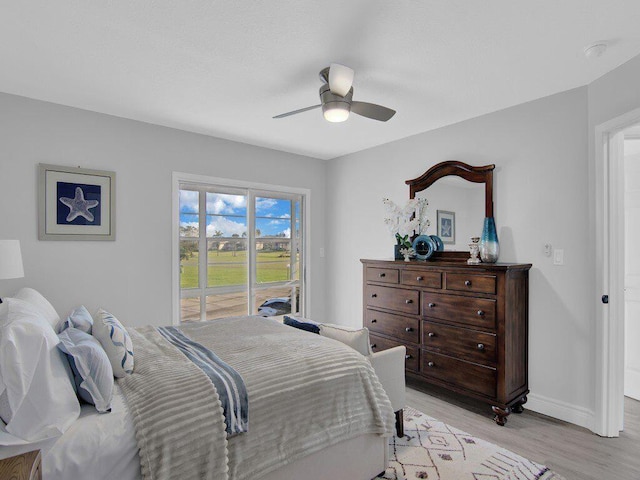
[(336, 98)]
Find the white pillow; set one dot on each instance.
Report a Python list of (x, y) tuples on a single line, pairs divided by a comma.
[(39, 399), (358, 339), (80, 318), (34, 297), (116, 342), (91, 367)]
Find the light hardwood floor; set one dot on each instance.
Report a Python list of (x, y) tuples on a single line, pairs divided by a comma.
[(571, 451)]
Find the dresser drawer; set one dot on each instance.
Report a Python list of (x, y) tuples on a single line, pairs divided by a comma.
[(421, 279), (465, 282), (404, 301), (459, 373), (405, 329), (382, 275), (459, 342), (412, 358), (479, 312)]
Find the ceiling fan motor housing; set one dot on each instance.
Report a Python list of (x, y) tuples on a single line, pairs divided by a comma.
[(332, 101)]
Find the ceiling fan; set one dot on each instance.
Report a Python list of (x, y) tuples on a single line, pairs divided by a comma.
[(336, 95)]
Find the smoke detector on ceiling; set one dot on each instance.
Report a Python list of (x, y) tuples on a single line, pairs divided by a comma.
[(596, 50)]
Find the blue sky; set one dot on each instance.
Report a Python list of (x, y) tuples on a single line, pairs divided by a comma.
[(227, 213)]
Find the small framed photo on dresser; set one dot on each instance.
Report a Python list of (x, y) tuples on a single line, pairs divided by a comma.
[(446, 226), (76, 203)]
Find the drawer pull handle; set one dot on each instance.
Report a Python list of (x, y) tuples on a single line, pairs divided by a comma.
[(382, 275), (408, 301), (373, 345), (481, 313), (374, 320), (431, 305), (374, 295), (431, 364), (419, 279), (408, 356), (431, 334), (481, 346), (467, 283), (408, 329)]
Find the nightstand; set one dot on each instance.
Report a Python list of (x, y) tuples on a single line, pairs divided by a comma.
[(22, 467)]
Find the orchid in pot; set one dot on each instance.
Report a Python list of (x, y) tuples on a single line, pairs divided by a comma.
[(406, 222)]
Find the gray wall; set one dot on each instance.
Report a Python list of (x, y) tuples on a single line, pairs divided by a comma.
[(131, 276), (540, 195)]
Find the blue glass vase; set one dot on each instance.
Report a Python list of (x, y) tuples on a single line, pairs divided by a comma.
[(489, 245)]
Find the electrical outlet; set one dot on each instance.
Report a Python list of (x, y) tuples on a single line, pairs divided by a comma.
[(548, 249), (558, 257)]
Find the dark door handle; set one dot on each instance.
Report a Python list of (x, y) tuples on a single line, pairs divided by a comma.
[(605, 298), (374, 320), (374, 295), (408, 329), (467, 283), (408, 300), (431, 334), (382, 275), (431, 305), (431, 364)]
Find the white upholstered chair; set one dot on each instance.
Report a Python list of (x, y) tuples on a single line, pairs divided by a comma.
[(388, 364)]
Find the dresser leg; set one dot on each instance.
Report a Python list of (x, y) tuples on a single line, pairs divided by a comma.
[(501, 415), (400, 423), (517, 408)]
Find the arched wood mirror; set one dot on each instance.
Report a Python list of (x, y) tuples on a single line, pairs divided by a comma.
[(455, 192)]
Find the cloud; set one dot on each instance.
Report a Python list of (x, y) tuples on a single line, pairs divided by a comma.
[(226, 226), (221, 203), (265, 203), (188, 201), (287, 232)]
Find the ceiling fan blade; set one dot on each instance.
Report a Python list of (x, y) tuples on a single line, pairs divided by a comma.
[(371, 110), (340, 79), (282, 115)]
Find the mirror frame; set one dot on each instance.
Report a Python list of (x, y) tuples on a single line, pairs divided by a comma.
[(483, 174)]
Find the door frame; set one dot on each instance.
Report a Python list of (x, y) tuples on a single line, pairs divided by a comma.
[(609, 266)]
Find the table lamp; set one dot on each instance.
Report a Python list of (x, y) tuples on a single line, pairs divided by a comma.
[(10, 260)]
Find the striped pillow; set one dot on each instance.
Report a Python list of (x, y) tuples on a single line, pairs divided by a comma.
[(116, 342)]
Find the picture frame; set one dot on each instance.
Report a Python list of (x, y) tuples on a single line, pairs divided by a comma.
[(446, 226), (76, 203)]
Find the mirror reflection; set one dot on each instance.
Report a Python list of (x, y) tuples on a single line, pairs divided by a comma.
[(466, 200)]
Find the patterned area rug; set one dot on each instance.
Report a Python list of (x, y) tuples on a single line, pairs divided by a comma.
[(436, 451)]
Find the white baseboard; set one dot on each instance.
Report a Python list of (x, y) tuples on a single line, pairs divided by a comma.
[(580, 416)]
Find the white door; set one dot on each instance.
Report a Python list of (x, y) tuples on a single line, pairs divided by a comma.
[(632, 268)]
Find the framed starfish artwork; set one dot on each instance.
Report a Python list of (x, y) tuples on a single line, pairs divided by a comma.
[(76, 204)]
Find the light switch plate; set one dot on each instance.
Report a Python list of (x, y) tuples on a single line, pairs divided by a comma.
[(558, 257)]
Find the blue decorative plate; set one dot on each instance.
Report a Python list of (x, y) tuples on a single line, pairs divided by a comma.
[(424, 246), (438, 241)]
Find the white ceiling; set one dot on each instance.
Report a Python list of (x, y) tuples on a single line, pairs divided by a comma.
[(224, 68)]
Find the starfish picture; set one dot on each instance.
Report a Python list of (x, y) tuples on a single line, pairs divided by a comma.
[(79, 207)]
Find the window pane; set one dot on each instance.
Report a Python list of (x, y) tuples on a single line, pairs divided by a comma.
[(189, 226), (275, 301), (229, 226), (273, 240), (224, 204), (189, 201), (226, 261), (189, 263), (226, 305), (190, 309)]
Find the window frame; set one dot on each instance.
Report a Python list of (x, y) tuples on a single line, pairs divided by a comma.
[(254, 190)]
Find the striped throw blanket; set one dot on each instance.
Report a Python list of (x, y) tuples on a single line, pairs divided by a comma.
[(228, 382)]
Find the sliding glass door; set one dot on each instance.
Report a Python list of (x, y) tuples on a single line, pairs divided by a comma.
[(240, 252)]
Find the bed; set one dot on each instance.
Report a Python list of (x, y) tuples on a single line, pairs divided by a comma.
[(316, 410)]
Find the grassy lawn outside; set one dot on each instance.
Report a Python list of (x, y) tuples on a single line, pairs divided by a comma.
[(230, 268)]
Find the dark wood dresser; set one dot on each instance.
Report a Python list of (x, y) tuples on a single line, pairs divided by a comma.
[(465, 327)]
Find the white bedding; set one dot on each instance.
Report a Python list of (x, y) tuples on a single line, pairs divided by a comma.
[(96, 446)]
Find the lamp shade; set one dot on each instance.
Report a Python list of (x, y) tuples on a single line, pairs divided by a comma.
[(10, 259)]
